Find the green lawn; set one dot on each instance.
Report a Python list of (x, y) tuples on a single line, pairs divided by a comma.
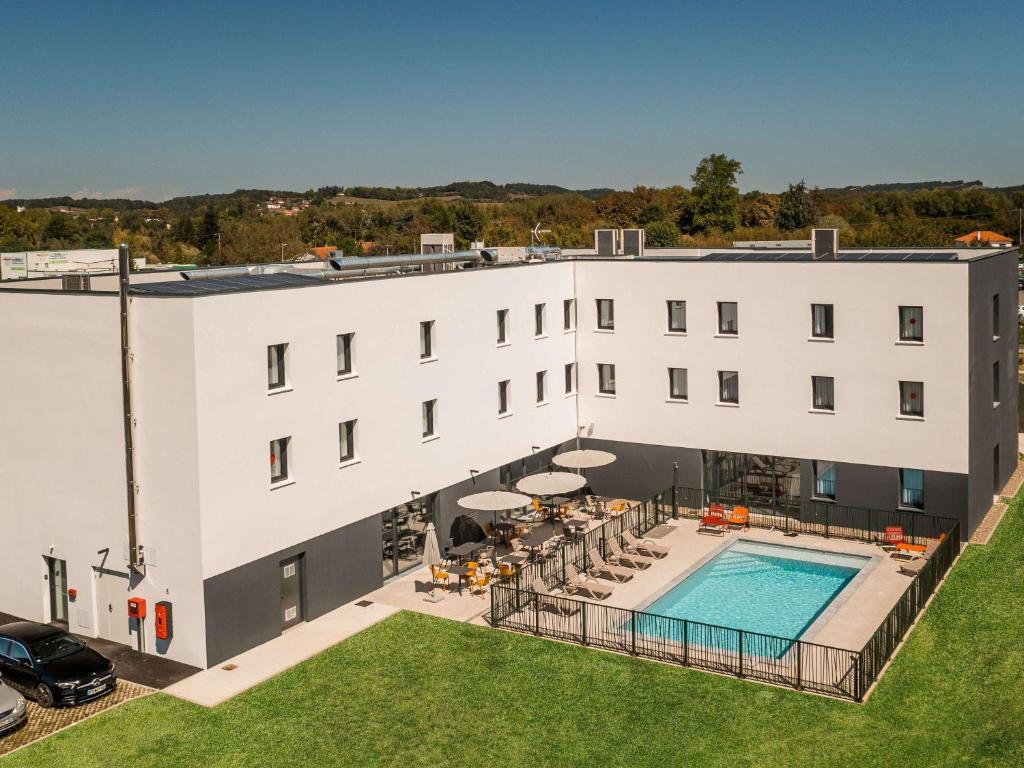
[(417, 691)]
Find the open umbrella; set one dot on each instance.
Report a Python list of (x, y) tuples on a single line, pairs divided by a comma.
[(551, 483), (585, 458), (494, 501)]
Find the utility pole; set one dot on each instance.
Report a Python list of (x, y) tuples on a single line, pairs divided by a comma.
[(282, 250)]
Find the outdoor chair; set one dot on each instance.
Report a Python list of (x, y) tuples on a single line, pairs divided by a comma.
[(468, 578), (577, 582), (599, 566), (740, 516), (479, 585), (905, 546), (713, 523), (893, 536), (547, 600), (438, 575), (643, 546), (506, 572), (618, 556)]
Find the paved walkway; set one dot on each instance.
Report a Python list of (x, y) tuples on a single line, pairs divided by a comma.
[(213, 686), (145, 669)]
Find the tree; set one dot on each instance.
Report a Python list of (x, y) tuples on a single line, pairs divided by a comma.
[(797, 208), (758, 210), (184, 230), (661, 234), (17, 231), (716, 198), (209, 228)]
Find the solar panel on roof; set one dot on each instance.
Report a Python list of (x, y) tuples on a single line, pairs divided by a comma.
[(216, 285)]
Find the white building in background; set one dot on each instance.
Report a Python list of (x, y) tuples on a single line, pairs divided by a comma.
[(294, 434), (24, 264)]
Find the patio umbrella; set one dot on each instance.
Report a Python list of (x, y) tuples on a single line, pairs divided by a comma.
[(585, 458), (431, 549), (494, 501), (551, 483)]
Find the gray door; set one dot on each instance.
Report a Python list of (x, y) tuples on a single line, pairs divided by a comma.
[(291, 592), (58, 577), (112, 593)]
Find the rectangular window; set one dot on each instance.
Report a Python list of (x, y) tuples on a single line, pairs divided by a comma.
[(912, 488), (911, 398), (824, 480), (426, 339), (502, 326), (429, 418), (728, 318), (570, 378), (276, 356), (606, 378), (345, 353), (911, 323), (676, 316), (539, 319), (606, 314), (995, 316), (279, 459), (823, 393), (677, 389), (504, 396), (821, 321), (728, 387), (347, 440), (542, 386), (995, 383), (569, 314)]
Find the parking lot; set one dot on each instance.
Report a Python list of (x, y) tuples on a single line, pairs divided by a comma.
[(45, 722)]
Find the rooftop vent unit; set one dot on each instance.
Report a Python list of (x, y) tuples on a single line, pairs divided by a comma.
[(437, 242), (606, 242), (824, 244), (632, 242), (76, 281)]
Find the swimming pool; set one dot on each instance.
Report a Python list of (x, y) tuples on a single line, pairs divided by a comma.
[(767, 588)]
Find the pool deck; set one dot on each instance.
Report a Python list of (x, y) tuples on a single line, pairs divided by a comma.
[(848, 622)]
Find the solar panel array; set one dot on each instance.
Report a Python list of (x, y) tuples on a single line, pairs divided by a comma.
[(842, 256), (215, 285)]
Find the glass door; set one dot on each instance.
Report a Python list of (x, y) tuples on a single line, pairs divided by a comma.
[(57, 576), (404, 532)]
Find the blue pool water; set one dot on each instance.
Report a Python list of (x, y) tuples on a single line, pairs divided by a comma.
[(766, 588)]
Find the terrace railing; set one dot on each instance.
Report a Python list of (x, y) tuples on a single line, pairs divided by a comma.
[(782, 661)]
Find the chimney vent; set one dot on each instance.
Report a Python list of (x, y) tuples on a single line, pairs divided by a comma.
[(824, 244)]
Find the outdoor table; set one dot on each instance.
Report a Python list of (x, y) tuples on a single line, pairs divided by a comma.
[(515, 558), (465, 550), (505, 527), (458, 571), (575, 524), (535, 539)]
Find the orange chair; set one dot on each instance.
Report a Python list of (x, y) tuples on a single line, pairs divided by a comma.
[(740, 516), (468, 578), (479, 585), (905, 546), (438, 574), (506, 571), (893, 535)]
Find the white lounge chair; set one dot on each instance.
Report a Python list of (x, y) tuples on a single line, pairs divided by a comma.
[(617, 555), (577, 582), (599, 566), (644, 546)]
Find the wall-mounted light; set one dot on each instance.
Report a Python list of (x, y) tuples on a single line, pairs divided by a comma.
[(472, 475)]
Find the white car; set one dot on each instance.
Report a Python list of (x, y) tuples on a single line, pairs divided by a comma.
[(13, 711)]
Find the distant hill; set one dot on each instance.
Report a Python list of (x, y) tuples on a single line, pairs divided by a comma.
[(907, 186), (472, 190)]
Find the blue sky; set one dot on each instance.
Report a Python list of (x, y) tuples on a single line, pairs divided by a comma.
[(145, 101)]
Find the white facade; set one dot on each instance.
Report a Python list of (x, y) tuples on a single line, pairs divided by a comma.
[(204, 416)]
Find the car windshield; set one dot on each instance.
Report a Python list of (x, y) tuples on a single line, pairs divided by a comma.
[(55, 647)]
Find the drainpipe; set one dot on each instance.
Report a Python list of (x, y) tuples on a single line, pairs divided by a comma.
[(135, 561)]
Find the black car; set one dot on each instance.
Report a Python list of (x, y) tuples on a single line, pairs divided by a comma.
[(51, 666)]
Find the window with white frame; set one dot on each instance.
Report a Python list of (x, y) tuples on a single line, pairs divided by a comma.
[(677, 386), (606, 378), (912, 398), (821, 321), (279, 459), (912, 489), (911, 323), (429, 413), (539, 319), (277, 355), (504, 396), (676, 316), (570, 378), (728, 318), (542, 386), (344, 350), (824, 480), (427, 340), (823, 393), (347, 440), (502, 326), (569, 314), (606, 314), (729, 387)]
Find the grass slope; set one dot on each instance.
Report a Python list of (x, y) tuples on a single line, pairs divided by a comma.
[(417, 691)]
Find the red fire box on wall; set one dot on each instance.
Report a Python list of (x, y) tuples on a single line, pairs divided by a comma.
[(163, 620), (136, 608)]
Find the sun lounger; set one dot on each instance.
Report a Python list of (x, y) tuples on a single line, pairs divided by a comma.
[(599, 566), (547, 600), (913, 567), (616, 556), (644, 546), (713, 524), (577, 582)]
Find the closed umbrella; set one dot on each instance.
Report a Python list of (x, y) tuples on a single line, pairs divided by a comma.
[(431, 549)]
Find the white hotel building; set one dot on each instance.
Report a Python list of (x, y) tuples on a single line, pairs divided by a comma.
[(870, 379)]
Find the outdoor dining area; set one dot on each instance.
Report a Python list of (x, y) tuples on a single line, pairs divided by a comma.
[(547, 511)]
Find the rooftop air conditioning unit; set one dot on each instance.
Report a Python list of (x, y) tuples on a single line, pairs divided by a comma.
[(606, 242), (632, 242), (76, 281)]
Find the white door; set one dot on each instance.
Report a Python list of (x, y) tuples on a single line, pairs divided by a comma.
[(112, 607)]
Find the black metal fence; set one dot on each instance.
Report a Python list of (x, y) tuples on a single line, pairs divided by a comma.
[(782, 661)]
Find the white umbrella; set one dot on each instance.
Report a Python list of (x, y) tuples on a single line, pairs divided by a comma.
[(431, 550), (494, 501), (551, 483), (584, 459)]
